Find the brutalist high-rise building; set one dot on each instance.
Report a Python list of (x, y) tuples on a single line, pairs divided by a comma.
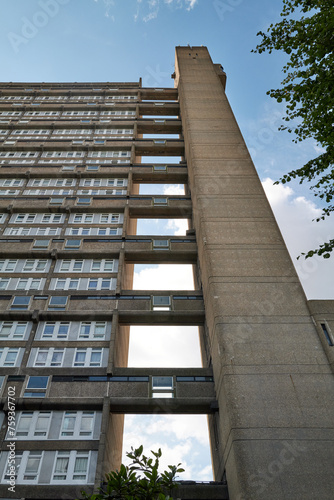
[(72, 158)]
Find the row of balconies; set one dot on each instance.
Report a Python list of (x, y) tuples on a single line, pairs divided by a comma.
[(142, 107), (167, 94), (144, 126)]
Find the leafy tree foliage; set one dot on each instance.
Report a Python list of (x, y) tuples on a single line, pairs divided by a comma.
[(306, 34), (140, 480)]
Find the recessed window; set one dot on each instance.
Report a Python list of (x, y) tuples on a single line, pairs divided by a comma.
[(326, 333), (92, 168), (57, 303), (36, 387), (161, 303), (56, 201), (20, 303), (159, 168), (72, 244), (84, 201), (160, 200), (162, 387), (160, 244), (68, 168), (41, 244)]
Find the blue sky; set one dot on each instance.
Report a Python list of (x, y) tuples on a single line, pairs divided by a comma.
[(123, 40)]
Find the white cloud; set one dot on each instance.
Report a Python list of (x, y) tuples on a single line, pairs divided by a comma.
[(191, 4), (295, 215), (164, 277), (164, 346), (150, 8), (182, 438)]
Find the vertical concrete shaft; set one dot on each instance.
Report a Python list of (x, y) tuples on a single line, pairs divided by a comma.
[(273, 381)]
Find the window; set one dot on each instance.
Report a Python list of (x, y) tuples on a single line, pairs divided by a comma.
[(13, 330), (55, 330), (52, 218), (68, 168), (71, 265), (92, 330), (72, 244), (41, 244), (88, 357), (8, 356), (57, 303), (27, 467), (92, 168), (8, 265), (65, 284), (25, 218), (103, 265), (160, 200), (83, 201), (4, 282), (56, 201), (159, 168), (29, 284), (52, 357), (77, 425), (35, 265), (9, 472), (326, 333), (161, 302), (100, 284), (162, 387), (20, 303), (32, 424), (71, 467), (36, 387), (160, 244), (81, 218), (109, 218)]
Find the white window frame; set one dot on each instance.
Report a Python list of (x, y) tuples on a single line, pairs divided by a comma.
[(77, 431), (93, 326), (11, 182), (70, 468), (99, 265), (13, 326), (82, 219), (24, 219), (4, 283), (71, 265), (8, 265), (109, 218), (100, 284), (49, 361), (5, 352), (21, 461), (35, 266), (52, 219), (56, 335), (66, 284), (87, 362), (32, 431), (30, 284)]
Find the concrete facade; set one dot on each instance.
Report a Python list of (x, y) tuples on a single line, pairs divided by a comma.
[(72, 158)]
